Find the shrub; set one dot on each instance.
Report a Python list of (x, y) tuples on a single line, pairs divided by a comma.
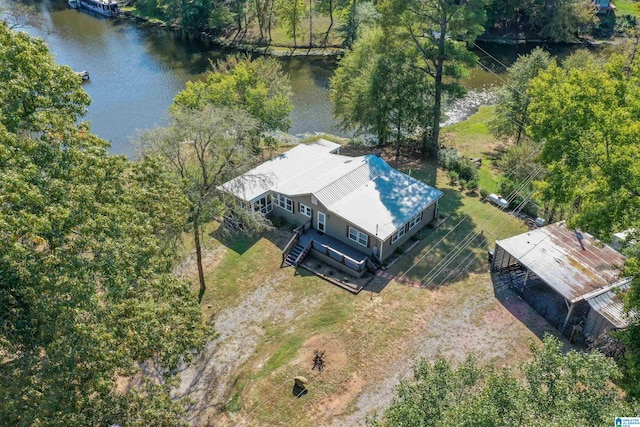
[(450, 159), (484, 193), (472, 185), (453, 176)]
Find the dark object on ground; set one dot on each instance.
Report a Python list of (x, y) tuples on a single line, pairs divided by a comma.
[(318, 360)]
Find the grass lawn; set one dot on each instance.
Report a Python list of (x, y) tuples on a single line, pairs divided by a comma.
[(472, 138), (270, 320), (626, 7)]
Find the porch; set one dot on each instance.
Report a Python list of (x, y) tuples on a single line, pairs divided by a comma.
[(327, 249)]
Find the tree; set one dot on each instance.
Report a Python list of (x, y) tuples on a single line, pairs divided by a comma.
[(512, 114), (563, 20), (206, 148), (291, 13), (376, 91), (438, 31), (257, 86), (589, 121), (87, 292), (551, 389)]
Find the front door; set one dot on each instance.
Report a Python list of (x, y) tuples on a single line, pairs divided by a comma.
[(322, 219)]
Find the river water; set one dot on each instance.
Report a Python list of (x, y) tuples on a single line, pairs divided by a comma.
[(136, 72)]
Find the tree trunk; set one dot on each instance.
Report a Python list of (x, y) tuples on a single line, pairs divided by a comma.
[(437, 110), (326, 35), (310, 23), (196, 238)]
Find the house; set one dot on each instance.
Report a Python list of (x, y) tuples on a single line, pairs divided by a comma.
[(568, 276), (349, 210)]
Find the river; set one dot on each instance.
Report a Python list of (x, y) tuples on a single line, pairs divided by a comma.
[(136, 71)]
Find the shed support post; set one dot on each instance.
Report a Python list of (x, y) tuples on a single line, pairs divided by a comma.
[(526, 277), (566, 320)]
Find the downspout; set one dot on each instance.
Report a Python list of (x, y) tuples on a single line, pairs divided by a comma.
[(381, 247)]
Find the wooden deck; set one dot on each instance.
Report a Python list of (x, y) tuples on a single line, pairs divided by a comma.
[(313, 234)]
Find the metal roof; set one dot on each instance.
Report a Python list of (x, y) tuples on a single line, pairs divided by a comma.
[(301, 170), (364, 190), (573, 263), (611, 307), (384, 202)]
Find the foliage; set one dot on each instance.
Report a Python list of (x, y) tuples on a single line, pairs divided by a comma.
[(551, 389), (450, 159), (376, 91), (257, 86), (87, 291), (453, 176), (484, 193), (472, 185), (512, 115), (206, 148), (589, 120), (556, 20), (436, 34), (291, 13)]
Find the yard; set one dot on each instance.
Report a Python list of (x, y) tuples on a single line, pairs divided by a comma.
[(269, 321)]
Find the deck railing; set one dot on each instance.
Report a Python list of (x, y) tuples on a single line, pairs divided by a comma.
[(338, 256), (297, 232)]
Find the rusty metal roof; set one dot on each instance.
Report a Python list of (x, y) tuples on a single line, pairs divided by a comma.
[(611, 307), (574, 264)]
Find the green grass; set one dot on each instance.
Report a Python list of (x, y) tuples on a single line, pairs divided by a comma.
[(626, 7), (287, 350)]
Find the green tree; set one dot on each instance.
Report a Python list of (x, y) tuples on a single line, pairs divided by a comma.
[(206, 148), (86, 293), (376, 91), (589, 121), (257, 86), (512, 114), (291, 13), (563, 20), (551, 389), (438, 31)]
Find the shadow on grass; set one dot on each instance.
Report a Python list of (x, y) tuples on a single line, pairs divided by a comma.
[(446, 254), (526, 314)]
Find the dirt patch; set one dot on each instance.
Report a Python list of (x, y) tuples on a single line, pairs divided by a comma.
[(335, 356), (211, 257), (208, 379)]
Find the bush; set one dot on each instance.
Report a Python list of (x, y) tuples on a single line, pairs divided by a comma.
[(472, 185), (484, 193), (453, 176), (450, 159)]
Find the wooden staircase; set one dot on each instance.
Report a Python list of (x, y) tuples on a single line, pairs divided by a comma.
[(294, 257)]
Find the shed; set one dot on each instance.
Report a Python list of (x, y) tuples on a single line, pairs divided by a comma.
[(568, 276)]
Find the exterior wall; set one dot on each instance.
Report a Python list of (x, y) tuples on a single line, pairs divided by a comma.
[(296, 217), (428, 215), (595, 324), (338, 228)]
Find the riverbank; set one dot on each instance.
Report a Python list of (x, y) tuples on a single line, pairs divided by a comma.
[(244, 43)]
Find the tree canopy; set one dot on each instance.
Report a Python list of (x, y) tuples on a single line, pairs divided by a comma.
[(588, 118), (257, 86), (551, 389), (86, 292)]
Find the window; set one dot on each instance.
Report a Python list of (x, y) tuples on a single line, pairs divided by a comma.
[(264, 205), (285, 203), (305, 210), (314, 200), (358, 236), (398, 234), (415, 220)]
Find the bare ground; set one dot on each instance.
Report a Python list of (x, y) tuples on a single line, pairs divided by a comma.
[(386, 328)]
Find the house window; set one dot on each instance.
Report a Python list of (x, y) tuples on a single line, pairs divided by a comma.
[(398, 234), (285, 203), (358, 237), (305, 210), (264, 205), (415, 220)]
